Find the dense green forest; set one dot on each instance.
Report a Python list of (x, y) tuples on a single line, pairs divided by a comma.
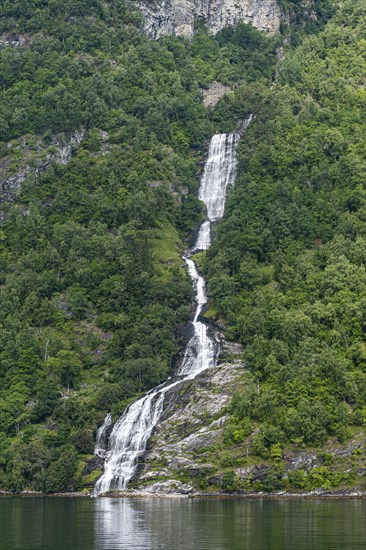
[(92, 284), (287, 267)]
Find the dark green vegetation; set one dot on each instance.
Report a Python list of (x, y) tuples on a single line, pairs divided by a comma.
[(287, 268), (305, 17), (92, 284)]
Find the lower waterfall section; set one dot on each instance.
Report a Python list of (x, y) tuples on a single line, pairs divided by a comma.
[(101, 437), (128, 439), (132, 431)]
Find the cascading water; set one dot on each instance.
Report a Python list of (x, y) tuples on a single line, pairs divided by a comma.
[(133, 429), (201, 350), (219, 172), (101, 437)]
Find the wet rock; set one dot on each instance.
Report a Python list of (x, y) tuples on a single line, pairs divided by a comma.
[(256, 472), (343, 452), (95, 463), (301, 460), (193, 419), (229, 350), (197, 470), (153, 474), (306, 460), (169, 487)]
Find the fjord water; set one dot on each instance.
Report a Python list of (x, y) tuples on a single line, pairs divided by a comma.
[(51, 523), (132, 431)]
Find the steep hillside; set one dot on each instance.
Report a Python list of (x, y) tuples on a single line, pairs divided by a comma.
[(93, 287), (287, 267), (286, 275), (103, 135)]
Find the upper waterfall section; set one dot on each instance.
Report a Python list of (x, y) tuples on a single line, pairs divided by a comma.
[(219, 172), (162, 17)]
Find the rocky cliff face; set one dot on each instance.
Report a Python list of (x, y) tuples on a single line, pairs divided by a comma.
[(193, 420), (36, 154), (162, 17), (188, 453)]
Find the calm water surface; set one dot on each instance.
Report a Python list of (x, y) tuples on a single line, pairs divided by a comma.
[(30, 523)]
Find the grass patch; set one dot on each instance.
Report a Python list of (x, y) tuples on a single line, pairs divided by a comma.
[(91, 478), (199, 258), (212, 312), (166, 248)]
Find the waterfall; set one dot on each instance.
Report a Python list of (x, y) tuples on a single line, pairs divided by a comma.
[(201, 350), (128, 439), (218, 174), (132, 431), (101, 437)]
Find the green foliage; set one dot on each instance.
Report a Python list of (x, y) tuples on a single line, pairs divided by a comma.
[(83, 441), (272, 482), (230, 482), (237, 431), (287, 269), (93, 287), (92, 284), (92, 68), (61, 471), (305, 18), (46, 398)]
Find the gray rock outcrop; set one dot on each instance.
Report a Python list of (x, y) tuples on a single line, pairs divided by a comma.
[(62, 148), (194, 416), (214, 93), (180, 454), (162, 17)]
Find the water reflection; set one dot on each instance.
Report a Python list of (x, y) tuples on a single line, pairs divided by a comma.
[(169, 524), (40, 523), (181, 524), (121, 523)]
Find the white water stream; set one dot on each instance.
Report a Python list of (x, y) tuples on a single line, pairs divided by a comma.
[(101, 437), (132, 431)]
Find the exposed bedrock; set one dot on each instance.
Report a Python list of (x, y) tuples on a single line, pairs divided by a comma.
[(193, 419), (162, 17)]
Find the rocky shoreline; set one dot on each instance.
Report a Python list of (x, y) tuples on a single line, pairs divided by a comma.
[(317, 494)]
